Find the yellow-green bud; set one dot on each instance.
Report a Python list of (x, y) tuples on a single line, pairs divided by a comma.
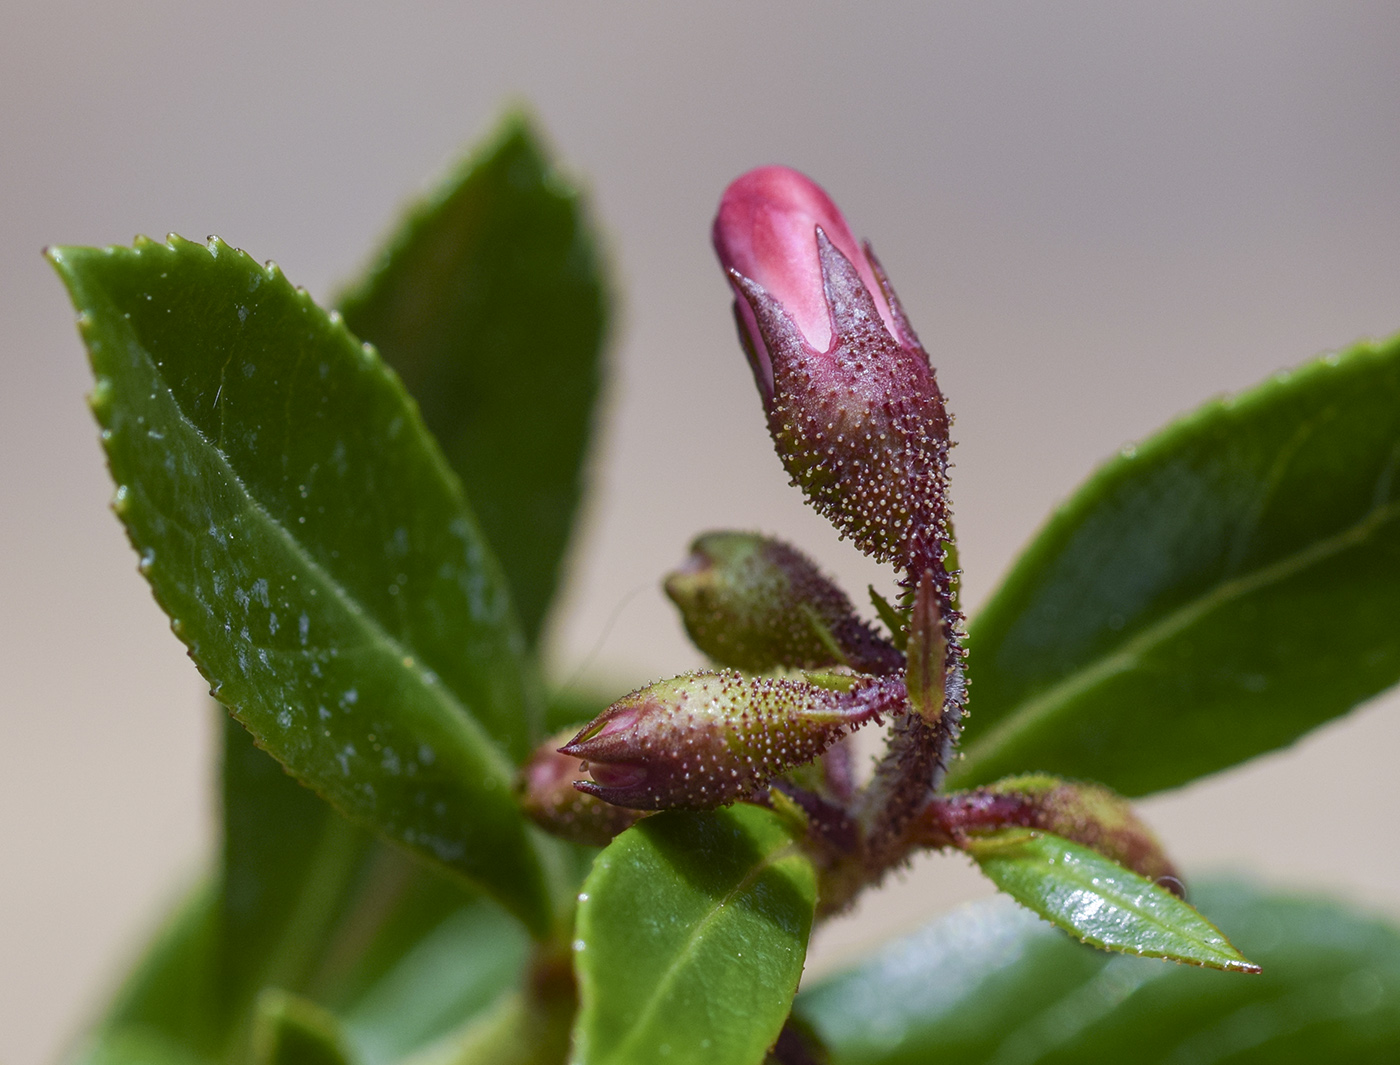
[(755, 603)]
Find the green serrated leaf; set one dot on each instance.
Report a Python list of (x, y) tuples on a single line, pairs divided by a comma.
[(1212, 594), (1098, 901), (991, 983), (692, 929), (315, 555), (491, 304)]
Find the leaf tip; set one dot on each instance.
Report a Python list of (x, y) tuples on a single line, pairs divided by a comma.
[(61, 256)]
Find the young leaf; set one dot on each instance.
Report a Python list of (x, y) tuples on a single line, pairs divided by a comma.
[(313, 552), (490, 302), (692, 929), (1097, 900), (993, 983), (1212, 594)]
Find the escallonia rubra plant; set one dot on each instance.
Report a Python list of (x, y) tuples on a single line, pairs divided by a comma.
[(856, 414), (412, 872)]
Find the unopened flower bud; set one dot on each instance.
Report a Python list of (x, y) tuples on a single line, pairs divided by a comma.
[(549, 798), (851, 400), (706, 739), (754, 603), (1085, 813)]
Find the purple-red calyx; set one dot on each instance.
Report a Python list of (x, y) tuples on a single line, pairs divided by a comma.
[(548, 797), (851, 400), (706, 739)]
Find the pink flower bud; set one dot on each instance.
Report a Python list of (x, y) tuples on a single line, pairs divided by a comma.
[(852, 403), (706, 739), (764, 231)]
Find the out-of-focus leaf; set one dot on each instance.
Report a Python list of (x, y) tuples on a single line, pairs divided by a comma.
[(456, 971), (991, 983), (1209, 595), (300, 528), (521, 1029), (138, 1045), (169, 1002), (490, 303), (572, 706), (291, 1030), (692, 929), (290, 865), (1097, 900), (402, 953)]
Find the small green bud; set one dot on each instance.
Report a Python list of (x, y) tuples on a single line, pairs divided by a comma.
[(756, 604), (706, 739)]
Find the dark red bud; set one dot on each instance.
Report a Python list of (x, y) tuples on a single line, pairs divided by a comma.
[(549, 798)]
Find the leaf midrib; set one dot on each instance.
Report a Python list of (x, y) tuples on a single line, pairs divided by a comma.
[(692, 944), (374, 629), (1031, 712), (1082, 879)]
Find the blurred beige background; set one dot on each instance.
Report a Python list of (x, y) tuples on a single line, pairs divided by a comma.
[(1098, 214)]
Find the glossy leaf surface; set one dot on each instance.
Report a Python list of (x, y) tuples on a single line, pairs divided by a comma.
[(692, 929), (991, 983), (315, 555), (1098, 901), (1212, 594), (490, 303)]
